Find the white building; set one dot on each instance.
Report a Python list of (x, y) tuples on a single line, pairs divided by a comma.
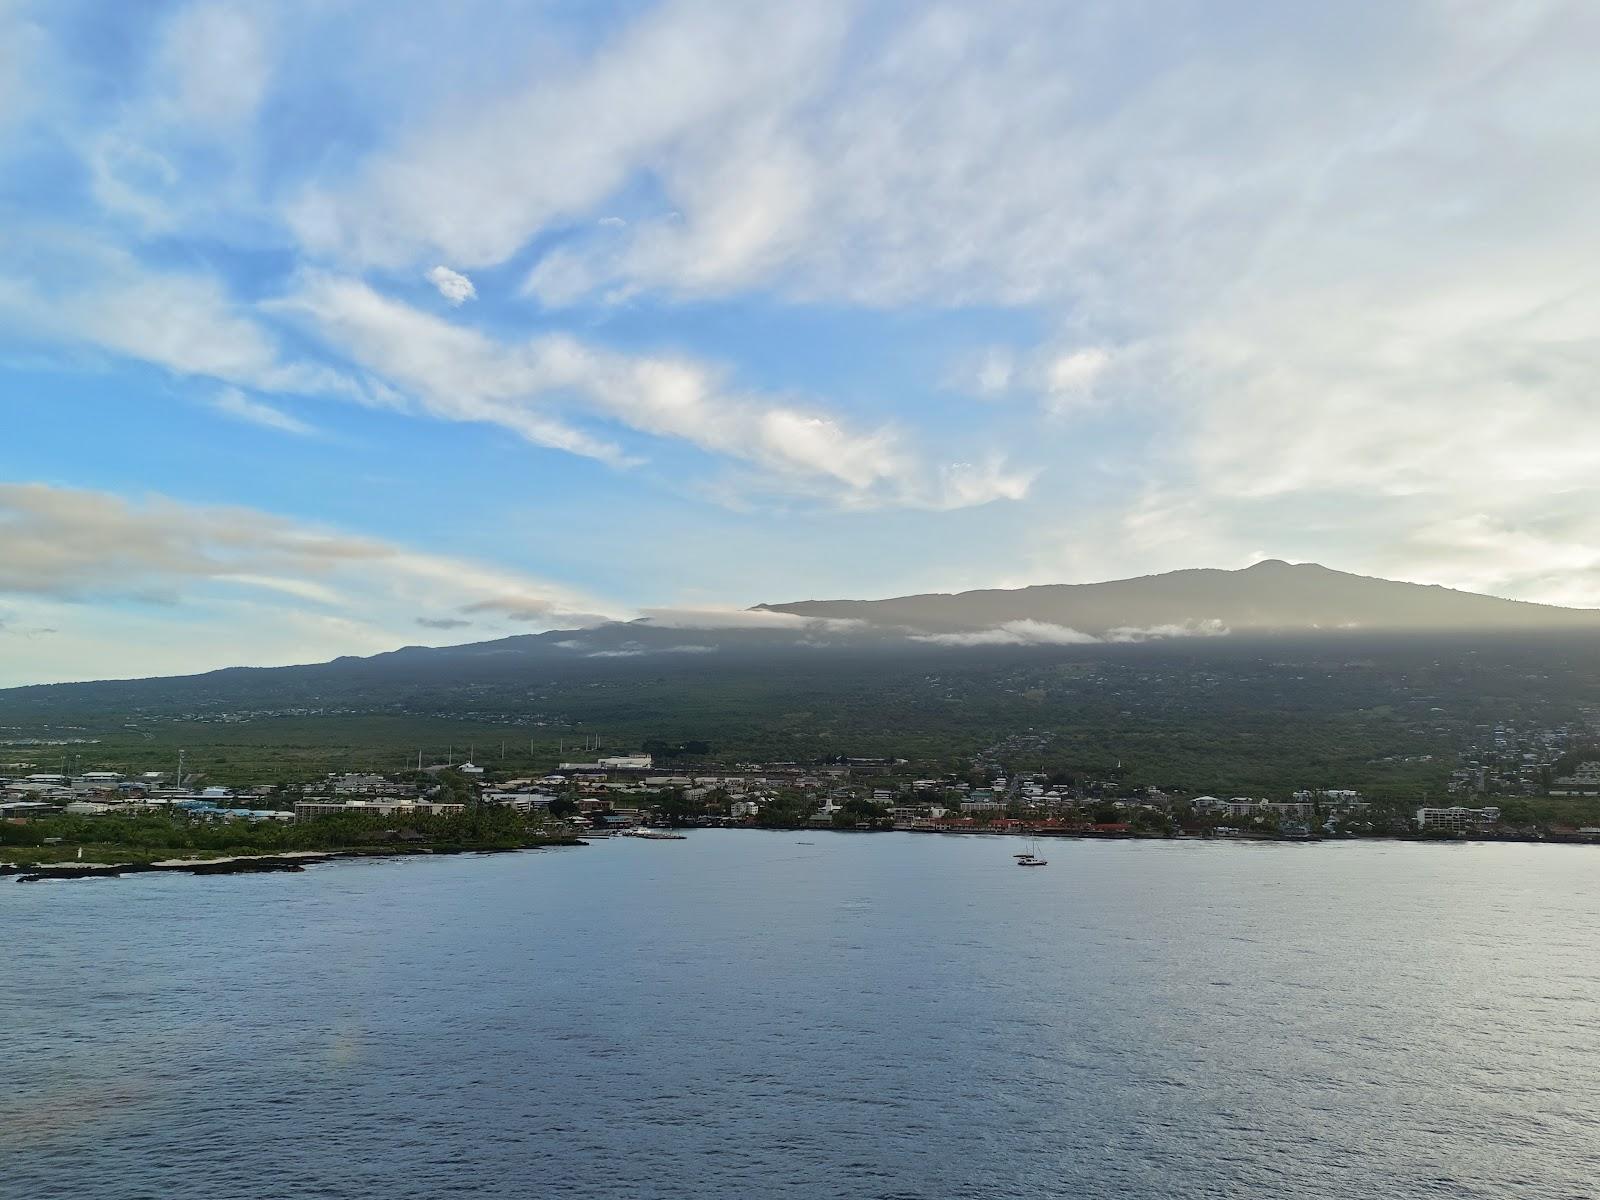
[(627, 762), (1457, 819)]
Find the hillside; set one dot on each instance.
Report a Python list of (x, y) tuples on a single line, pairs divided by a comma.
[(1184, 610), (1269, 597), (1321, 678)]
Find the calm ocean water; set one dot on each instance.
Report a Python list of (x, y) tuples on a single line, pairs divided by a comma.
[(744, 1015)]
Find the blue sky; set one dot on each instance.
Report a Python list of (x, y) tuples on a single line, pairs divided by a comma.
[(330, 326)]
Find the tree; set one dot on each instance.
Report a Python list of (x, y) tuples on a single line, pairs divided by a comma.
[(675, 808), (1150, 820), (856, 811), (563, 807)]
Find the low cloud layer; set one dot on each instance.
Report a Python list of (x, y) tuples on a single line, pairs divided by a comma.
[(639, 650), (1043, 633), (744, 618), (1012, 633), (1155, 633)]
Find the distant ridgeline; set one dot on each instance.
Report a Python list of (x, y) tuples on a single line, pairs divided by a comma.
[(1269, 677)]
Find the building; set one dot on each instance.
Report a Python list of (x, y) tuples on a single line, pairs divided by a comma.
[(355, 783), (1584, 781), (627, 762), (88, 808), (520, 801), (309, 809), (17, 810), (1457, 819)]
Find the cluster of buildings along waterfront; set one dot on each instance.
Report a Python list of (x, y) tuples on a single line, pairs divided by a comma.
[(871, 793)]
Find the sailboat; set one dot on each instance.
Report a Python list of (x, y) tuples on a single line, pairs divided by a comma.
[(1031, 858)]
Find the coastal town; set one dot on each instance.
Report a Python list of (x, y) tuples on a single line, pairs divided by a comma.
[(607, 794)]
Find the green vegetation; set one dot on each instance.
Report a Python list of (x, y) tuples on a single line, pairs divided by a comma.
[(1256, 718), (1571, 812), (857, 813), (155, 836), (789, 810)]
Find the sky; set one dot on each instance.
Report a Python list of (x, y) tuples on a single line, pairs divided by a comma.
[(328, 326)]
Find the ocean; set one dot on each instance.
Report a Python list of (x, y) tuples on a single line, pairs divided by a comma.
[(746, 1014)]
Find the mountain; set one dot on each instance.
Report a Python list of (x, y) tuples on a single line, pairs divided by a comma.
[(1269, 597), (1210, 610)]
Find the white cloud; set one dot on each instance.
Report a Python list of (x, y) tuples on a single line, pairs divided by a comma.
[(1541, 551), (71, 288), (1303, 276), (234, 403), (743, 618), (1208, 627), (305, 593), (216, 60), (474, 184), (1044, 633), (455, 287), (1072, 376), (26, 62), (457, 373), (89, 294), (1326, 276), (178, 150), (636, 650), (537, 608), (1012, 633), (994, 373)]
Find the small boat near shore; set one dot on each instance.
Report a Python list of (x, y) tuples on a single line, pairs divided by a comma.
[(653, 835)]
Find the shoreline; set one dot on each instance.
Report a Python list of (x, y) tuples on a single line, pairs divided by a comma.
[(289, 861), (296, 861), (1121, 836)]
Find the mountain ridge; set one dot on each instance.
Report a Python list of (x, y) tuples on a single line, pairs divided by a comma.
[(1265, 599), (1268, 596)]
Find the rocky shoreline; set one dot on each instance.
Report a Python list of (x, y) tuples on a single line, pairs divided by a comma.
[(242, 864)]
